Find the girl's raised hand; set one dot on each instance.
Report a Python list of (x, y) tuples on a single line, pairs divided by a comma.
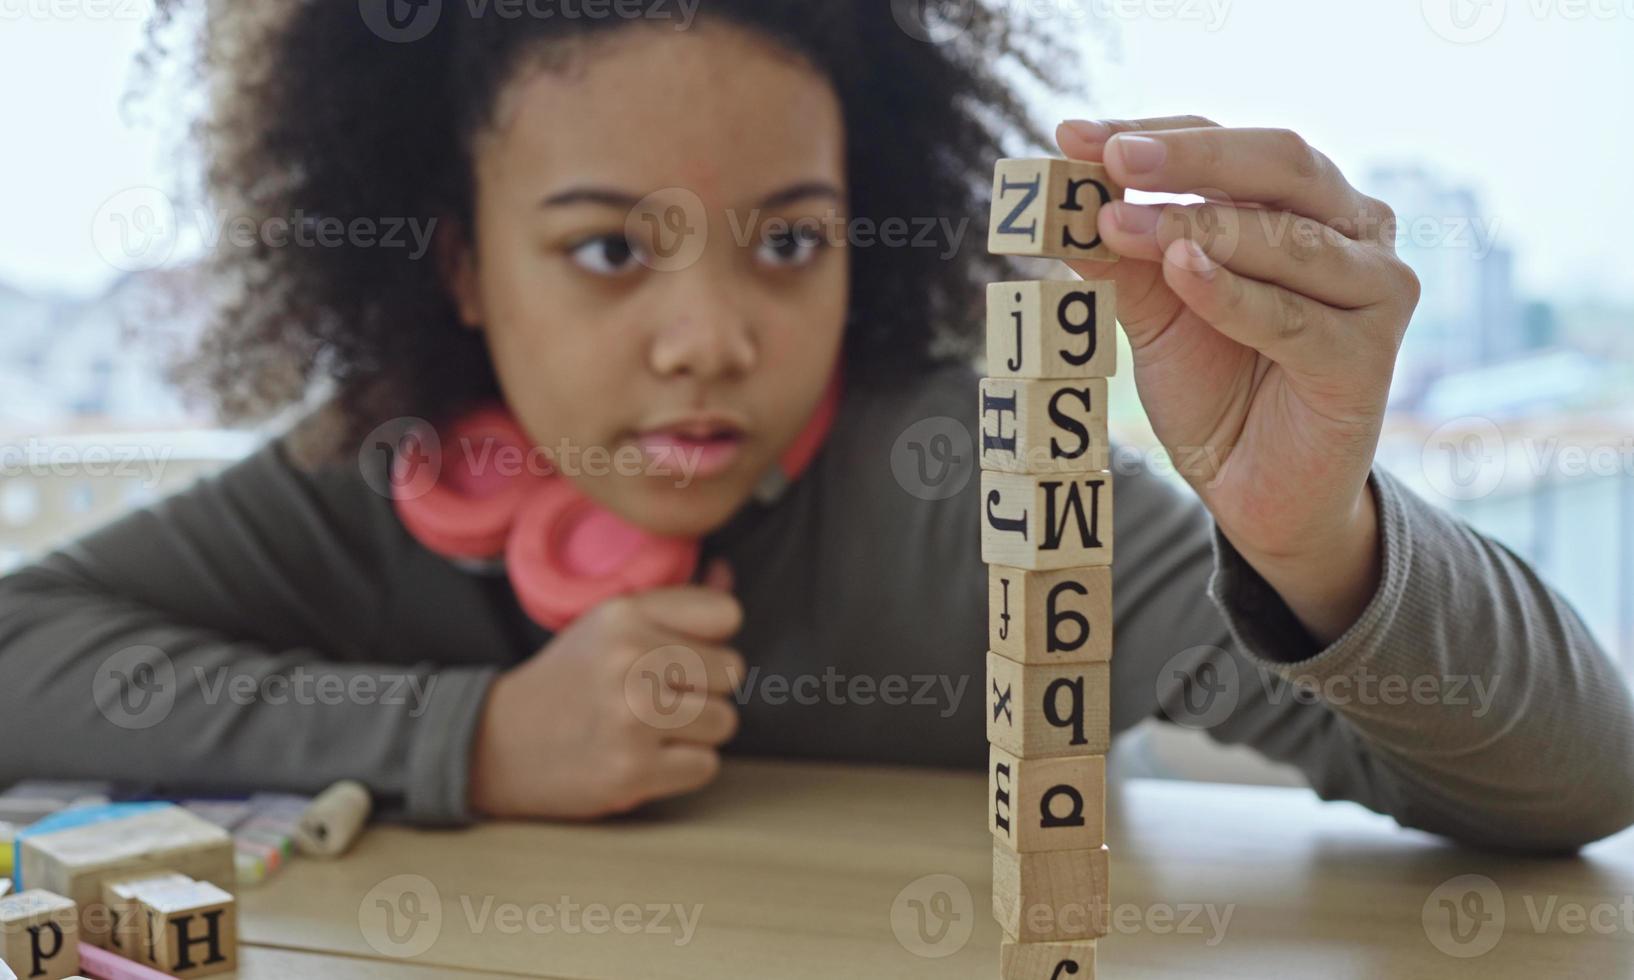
[(628, 704), (1265, 323)]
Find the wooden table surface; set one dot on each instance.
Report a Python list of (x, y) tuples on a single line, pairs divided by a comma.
[(802, 870)]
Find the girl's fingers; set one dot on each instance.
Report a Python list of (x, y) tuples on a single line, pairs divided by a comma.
[(1292, 330), (682, 768), (691, 610), (1271, 246), (719, 576), (715, 724), (1085, 139)]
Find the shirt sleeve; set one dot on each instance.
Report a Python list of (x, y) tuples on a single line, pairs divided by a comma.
[(1468, 699), (267, 628)]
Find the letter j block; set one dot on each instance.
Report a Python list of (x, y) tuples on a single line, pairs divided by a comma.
[(1052, 329), (1043, 522)]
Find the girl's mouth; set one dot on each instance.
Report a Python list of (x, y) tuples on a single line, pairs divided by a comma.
[(693, 449)]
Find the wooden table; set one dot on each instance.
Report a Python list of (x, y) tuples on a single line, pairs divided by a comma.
[(794, 870)]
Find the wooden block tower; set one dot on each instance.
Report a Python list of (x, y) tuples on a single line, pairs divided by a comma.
[(1047, 540)]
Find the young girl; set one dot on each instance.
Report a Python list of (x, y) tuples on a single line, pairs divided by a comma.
[(292, 622)]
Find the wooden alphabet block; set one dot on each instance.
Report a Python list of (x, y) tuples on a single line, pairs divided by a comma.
[(1044, 426), (127, 920), (1049, 521), (39, 935), (1051, 896), (1047, 961), (1046, 804), (1052, 329), (1055, 617), (75, 862), (1048, 711), (1047, 208), (192, 928)]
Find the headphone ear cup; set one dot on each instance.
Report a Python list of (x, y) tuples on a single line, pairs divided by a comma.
[(566, 555), (470, 507)]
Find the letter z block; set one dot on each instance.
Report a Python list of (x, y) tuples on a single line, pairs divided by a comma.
[(1047, 208)]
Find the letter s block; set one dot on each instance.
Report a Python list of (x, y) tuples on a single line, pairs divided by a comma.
[(1046, 521), (1053, 426), (1047, 208), (1052, 329)]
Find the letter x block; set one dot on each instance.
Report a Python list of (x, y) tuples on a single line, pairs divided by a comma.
[(1052, 329), (1047, 208), (1054, 426), (1050, 521), (1048, 711)]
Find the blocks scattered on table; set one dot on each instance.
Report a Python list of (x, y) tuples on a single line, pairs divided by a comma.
[(1046, 521), (1047, 961), (1044, 426), (74, 862), (1045, 711), (1058, 616), (1051, 896), (128, 933), (1047, 208), (1046, 804), (1052, 329), (39, 935)]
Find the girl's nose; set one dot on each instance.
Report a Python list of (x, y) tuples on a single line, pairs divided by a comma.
[(705, 337)]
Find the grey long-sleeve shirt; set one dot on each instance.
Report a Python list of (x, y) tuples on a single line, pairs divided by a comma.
[(287, 631)]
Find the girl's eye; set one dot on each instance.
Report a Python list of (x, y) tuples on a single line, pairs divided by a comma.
[(790, 247), (605, 255)]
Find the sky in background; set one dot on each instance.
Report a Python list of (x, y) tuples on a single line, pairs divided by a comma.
[(1533, 113)]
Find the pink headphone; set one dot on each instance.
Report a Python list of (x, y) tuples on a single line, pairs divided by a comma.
[(564, 554)]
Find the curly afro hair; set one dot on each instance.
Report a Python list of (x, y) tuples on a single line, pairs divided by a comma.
[(313, 113)]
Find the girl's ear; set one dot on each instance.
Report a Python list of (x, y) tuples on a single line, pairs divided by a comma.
[(457, 266)]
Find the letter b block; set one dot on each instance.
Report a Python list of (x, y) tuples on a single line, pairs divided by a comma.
[(1044, 426), (1047, 208), (1052, 329), (1042, 522), (1048, 711)]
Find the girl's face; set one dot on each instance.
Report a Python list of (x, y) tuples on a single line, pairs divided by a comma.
[(665, 354)]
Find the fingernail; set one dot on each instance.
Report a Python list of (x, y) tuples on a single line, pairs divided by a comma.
[(1089, 130), (1188, 255), (1138, 154), (1133, 218)]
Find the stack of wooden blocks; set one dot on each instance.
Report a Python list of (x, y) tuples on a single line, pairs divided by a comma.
[(1047, 539)]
